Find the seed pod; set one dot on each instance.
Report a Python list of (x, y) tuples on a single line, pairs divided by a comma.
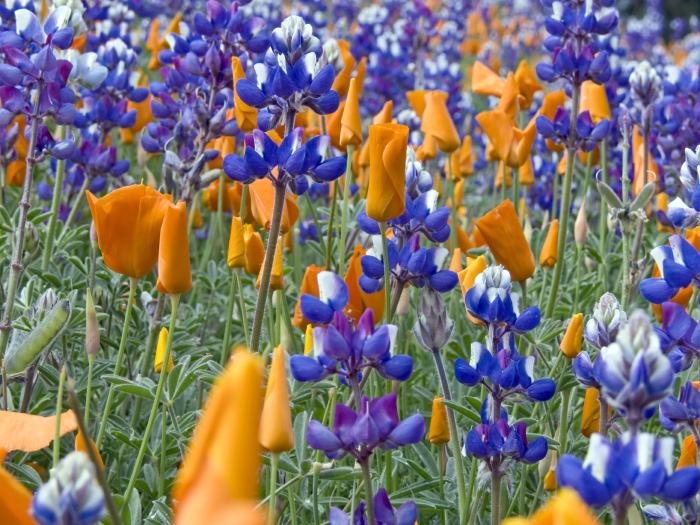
[(27, 347), (644, 196), (607, 193)]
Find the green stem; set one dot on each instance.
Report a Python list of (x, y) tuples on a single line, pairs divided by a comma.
[(367, 476), (267, 267), (503, 182), (624, 225), (387, 274), (55, 203), (453, 209), (88, 396), (225, 346), (274, 459), (292, 506), (495, 499), (516, 191), (564, 421), (163, 450), (603, 206), (314, 490), (133, 283), (220, 211), (344, 217), (57, 426), (314, 217), (565, 203), (463, 502), (441, 479), (244, 312), (174, 301), (329, 232), (578, 278), (76, 205)]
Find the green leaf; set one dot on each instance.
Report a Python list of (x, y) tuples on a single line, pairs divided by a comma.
[(465, 411)]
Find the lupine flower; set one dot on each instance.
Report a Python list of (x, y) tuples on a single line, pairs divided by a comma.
[(385, 192), (496, 441), (174, 273), (72, 495), (645, 83), (679, 335), (573, 337), (384, 513), (601, 329), (128, 223), (309, 285), (376, 425), (558, 129), (679, 213), (549, 253), (439, 431), (638, 464), (679, 265), (160, 352), (682, 412), (276, 433), (504, 235), (433, 327)]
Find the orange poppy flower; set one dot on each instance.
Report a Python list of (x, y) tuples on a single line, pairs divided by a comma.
[(246, 116), (210, 196), (236, 257), (350, 123), (387, 171), (590, 416), (437, 122), (262, 199), (549, 253), (254, 250), (573, 337), (439, 432), (527, 83), (276, 433), (15, 500), (689, 453), (358, 299), (28, 433), (82, 446), (277, 275), (510, 144), (485, 81), (174, 273)]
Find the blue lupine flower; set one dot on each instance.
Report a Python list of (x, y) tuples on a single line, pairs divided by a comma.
[(679, 265), (587, 133), (384, 513), (586, 372), (495, 442), (72, 495), (679, 336), (359, 433), (635, 465), (601, 329), (679, 213), (682, 412)]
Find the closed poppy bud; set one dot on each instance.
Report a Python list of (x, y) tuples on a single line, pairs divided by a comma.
[(550, 481), (262, 198), (385, 115), (573, 337), (334, 125), (351, 126), (581, 225), (502, 232), (595, 100), (277, 275), (81, 446), (309, 285), (341, 83), (174, 273), (439, 432), (548, 255), (689, 453), (387, 171), (246, 116), (254, 250), (309, 339), (466, 162), (590, 415), (197, 222), (404, 302), (276, 433), (128, 221), (485, 81), (236, 257), (468, 276), (417, 101), (152, 44), (358, 300), (210, 196), (436, 121), (160, 352)]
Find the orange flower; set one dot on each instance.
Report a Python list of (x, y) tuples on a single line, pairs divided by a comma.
[(384, 116), (28, 433), (590, 416), (246, 116), (210, 196), (417, 101), (527, 84), (341, 84), (467, 277), (526, 175), (82, 446), (504, 235), (358, 299), (499, 176), (160, 352), (573, 337), (262, 198), (143, 117), (128, 222), (236, 257), (174, 273), (254, 250), (309, 285), (439, 432), (15, 499), (437, 122), (510, 144), (334, 125), (277, 275), (351, 126), (595, 100), (565, 508), (551, 102), (219, 474), (548, 255), (456, 261), (640, 177), (485, 81), (689, 453), (387, 171), (276, 433)]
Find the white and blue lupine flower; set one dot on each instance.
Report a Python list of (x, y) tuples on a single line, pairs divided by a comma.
[(634, 373), (635, 466), (333, 297), (679, 265), (601, 329), (498, 441), (679, 336), (679, 213), (72, 496)]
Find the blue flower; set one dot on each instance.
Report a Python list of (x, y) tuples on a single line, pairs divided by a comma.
[(679, 265), (682, 412), (495, 442)]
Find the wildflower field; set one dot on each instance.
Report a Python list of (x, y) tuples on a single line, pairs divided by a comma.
[(349, 262)]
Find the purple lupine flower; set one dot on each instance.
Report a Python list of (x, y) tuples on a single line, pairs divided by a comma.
[(588, 134), (679, 336), (497, 442), (682, 412), (384, 513), (679, 265), (376, 425)]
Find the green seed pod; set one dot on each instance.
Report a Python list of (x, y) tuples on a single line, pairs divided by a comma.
[(643, 197), (607, 193), (26, 347)]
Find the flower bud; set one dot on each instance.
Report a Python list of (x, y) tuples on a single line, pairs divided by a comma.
[(277, 275), (276, 432), (549, 253), (573, 337), (92, 329), (590, 416), (550, 481), (309, 339), (31, 239), (254, 249), (404, 302), (433, 328), (689, 453), (601, 328), (581, 225), (439, 432), (236, 257), (160, 352)]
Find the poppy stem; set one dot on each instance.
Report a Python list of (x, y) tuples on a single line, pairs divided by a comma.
[(495, 498), (133, 283), (504, 182), (229, 319), (244, 310), (565, 201), (329, 241), (16, 266), (344, 217), (174, 301), (454, 243), (564, 421), (387, 274), (55, 203), (59, 410), (88, 395), (267, 267), (314, 216), (274, 459)]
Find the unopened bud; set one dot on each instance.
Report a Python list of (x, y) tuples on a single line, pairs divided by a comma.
[(404, 302), (527, 229), (93, 234), (160, 352), (31, 239), (433, 327), (92, 329), (581, 225)]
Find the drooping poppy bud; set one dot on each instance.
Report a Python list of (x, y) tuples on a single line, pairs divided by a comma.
[(277, 275), (439, 430), (502, 232), (526, 176), (437, 122), (160, 352), (456, 262), (351, 125), (254, 250), (128, 221), (246, 116), (276, 432), (309, 285), (174, 273), (573, 337), (689, 453), (590, 415), (341, 83), (387, 171), (548, 255), (236, 257)]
